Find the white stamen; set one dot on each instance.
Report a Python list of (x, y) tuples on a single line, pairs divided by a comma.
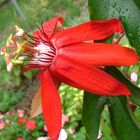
[(44, 56), (43, 48), (9, 66)]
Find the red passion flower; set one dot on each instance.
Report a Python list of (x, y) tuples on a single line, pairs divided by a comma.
[(73, 56)]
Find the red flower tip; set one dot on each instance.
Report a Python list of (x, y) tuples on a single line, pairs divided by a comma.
[(21, 120), (19, 139), (31, 124)]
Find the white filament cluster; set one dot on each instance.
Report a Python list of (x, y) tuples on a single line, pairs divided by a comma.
[(44, 56)]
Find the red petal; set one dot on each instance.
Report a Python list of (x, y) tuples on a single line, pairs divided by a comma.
[(49, 27), (51, 105), (88, 78), (94, 30), (100, 54)]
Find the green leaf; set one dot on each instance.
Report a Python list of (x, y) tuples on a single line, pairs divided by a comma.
[(122, 120), (134, 89), (129, 10), (92, 108)]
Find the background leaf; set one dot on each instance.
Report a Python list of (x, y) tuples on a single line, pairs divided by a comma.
[(134, 89), (122, 119), (92, 108), (129, 10)]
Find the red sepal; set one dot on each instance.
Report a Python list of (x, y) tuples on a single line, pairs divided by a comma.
[(51, 105), (100, 54), (89, 78), (94, 30), (48, 28)]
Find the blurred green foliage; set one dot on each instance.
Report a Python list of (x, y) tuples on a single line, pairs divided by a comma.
[(13, 129), (14, 88), (41, 10), (33, 12)]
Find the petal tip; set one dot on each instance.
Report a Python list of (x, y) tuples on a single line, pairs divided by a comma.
[(122, 90)]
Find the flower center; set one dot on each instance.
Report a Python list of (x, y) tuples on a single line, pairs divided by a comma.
[(44, 54), (31, 51)]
